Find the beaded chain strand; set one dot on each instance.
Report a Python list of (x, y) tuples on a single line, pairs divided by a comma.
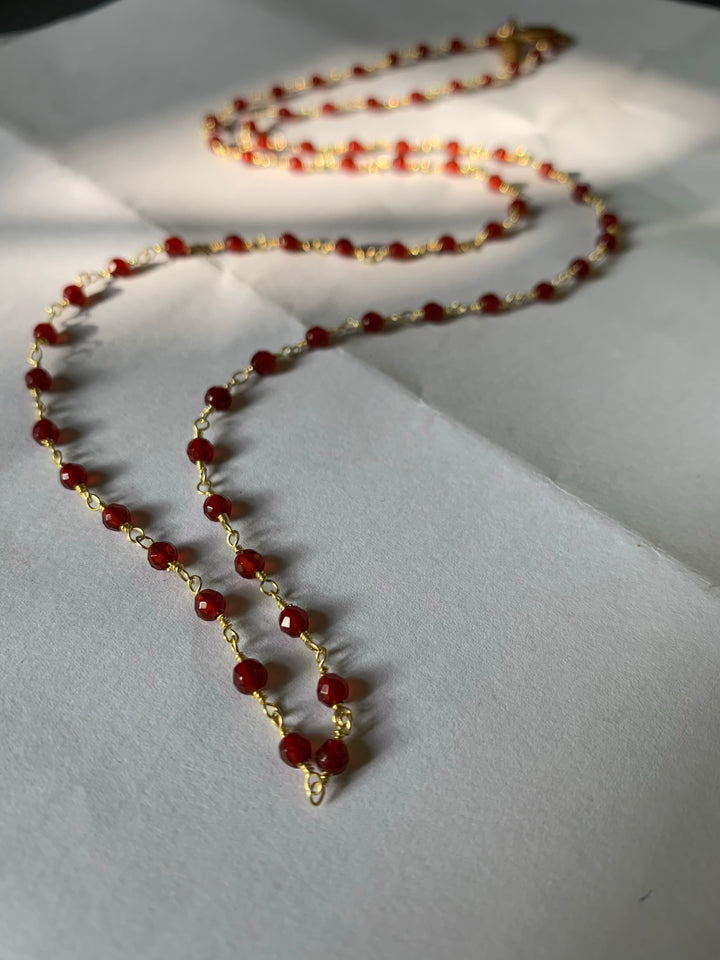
[(249, 675)]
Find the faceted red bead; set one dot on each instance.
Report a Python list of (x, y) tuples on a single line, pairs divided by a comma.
[(209, 604), (263, 141), (580, 192), (46, 332), (218, 397), (240, 105), (307, 146), (293, 620), (264, 362), (423, 51), (278, 92), (355, 147), (285, 114), (347, 163), (75, 295), (493, 41), (494, 230), (161, 554), (38, 379), (581, 269), (329, 108), (359, 71), (332, 689), (295, 749), (457, 46), (248, 563), (115, 515), (500, 154), (200, 449), (610, 241), (296, 164), (544, 290), (393, 58), (45, 430), (546, 169), (434, 312), (288, 241), (452, 166), (495, 182), (417, 96), (453, 148), (317, 337), (318, 81), (374, 104), (235, 243), (519, 207), (457, 86), (249, 675), (448, 244), (332, 756), (490, 303), (72, 475), (215, 505), (398, 251), (344, 247), (248, 156), (608, 220), (399, 163), (373, 322), (176, 247), (119, 267)]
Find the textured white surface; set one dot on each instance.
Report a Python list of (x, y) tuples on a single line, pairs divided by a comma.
[(538, 742)]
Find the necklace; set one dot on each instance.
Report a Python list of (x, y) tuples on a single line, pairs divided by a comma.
[(522, 49)]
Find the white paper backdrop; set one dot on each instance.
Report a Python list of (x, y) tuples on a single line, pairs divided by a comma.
[(537, 750)]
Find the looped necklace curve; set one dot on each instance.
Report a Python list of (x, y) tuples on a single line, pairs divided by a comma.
[(234, 133)]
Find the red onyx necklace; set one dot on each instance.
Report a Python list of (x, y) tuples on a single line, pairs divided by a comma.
[(248, 130)]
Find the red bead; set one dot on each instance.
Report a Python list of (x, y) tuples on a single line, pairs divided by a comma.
[(119, 267), (610, 241), (393, 58), (218, 397), (199, 449), (161, 554), (72, 475), (423, 51), (448, 244), (45, 430), (519, 207), (457, 46), (248, 156), (215, 505), (344, 247), (295, 749), (285, 114), (264, 362), (209, 604), (373, 322), (495, 182), (490, 303), (235, 243), (296, 164), (359, 70), (487, 80), (453, 148), (608, 220), (493, 41), (248, 563), (278, 92), (240, 105), (176, 247), (546, 169), (544, 290), (347, 163), (38, 379), (318, 81), (293, 621), (457, 86), (288, 241), (355, 147), (434, 312), (398, 251), (115, 515), (399, 163), (329, 108), (249, 675), (46, 332), (581, 192), (317, 337), (332, 756), (500, 154), (581, 269), (452, 166), (417, 96), (263, 141), (374, 104), (494, 230), (307, 146), (75, 295), (402, 146), (332, 689)]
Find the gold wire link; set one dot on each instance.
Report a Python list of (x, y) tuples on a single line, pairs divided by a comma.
[(35, 355), (91, 499), (194, 581), (274, 590), (204, 485), (137, 535), (342, 718), (271, 710), (232, 637), (233, 535), (202, 422), (314, 784), (320, 652), (239, 377)]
